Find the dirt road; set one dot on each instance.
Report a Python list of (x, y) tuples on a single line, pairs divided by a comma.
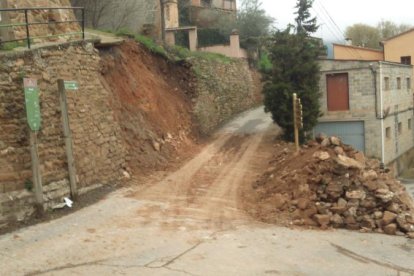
[(191, 222)]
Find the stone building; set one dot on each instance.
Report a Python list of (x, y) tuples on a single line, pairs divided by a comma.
[(399, 48), (369, 104), (203, 13)]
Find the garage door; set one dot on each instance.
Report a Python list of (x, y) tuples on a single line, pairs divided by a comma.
[(351, 133)]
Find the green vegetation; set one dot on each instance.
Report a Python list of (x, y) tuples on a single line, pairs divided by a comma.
[(151, 45), (9, 46), (148, 42), (264, 64), (294, 55), (175, 53), (370, 36)]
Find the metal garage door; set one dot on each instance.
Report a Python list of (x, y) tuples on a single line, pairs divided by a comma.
[(351, 133)]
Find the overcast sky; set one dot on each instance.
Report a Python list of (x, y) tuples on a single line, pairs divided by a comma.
[(343, 13)]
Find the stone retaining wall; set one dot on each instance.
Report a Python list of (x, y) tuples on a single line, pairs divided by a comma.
[(223, 89), (98, 150)]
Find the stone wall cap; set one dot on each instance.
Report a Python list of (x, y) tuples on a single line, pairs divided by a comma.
[(57, 46)]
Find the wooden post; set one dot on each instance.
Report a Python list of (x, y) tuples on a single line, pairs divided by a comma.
[(295, 122), (37, 178), (68, 139)]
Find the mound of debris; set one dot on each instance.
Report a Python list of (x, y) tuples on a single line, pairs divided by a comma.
[(329, 184)]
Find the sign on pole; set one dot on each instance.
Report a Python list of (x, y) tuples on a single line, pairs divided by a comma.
[(31, 94), (71, 85)]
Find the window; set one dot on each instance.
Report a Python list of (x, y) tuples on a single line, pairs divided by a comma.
[(337, 92), (409, 123), (400, 128), (406, 60), (228, 4), (206, 3), (398, 83), (386, 83), (408, 83), (388, 132)]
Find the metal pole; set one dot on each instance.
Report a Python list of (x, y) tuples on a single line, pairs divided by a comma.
[(83, 23), (27, 28), (68, 139), (295, 122)]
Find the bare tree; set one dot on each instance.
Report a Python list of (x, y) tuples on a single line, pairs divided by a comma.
[(95, 10), (125, 13), (114, 14)]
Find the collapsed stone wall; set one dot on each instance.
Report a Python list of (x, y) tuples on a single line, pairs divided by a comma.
[(223, 89), (98, 150), (43, 15)]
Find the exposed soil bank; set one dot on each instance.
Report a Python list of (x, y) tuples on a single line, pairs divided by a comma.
[(152, 103)]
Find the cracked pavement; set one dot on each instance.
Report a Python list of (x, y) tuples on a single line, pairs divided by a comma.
[(190, 222)]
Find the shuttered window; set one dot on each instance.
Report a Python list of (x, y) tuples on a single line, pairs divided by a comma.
[(338, 92)]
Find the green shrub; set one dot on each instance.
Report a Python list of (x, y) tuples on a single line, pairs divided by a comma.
[(151, 45), (265, 65), (9, 46)]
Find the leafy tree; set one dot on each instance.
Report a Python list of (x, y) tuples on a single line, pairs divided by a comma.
[(388, 29), (294, 55), (252, 20), (370, 36), (364, 35), (305, 24)]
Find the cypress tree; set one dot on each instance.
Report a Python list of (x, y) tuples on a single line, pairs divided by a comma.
[(294, 54)]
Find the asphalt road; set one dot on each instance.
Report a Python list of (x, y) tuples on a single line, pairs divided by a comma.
[(189, 222)]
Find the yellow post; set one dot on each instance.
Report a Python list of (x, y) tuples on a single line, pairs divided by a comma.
[(295, 121)]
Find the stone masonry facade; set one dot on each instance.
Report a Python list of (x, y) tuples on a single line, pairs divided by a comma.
[(98, 150), (394, 81), (223, 89)]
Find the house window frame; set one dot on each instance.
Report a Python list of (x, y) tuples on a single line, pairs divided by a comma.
[(405, 60), (398, 83), (408, 83), (386, 83), (400, 128), (388, 132), (327, 92), (409, 124)]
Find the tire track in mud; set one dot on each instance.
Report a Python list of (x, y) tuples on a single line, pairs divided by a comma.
[(204, 193)]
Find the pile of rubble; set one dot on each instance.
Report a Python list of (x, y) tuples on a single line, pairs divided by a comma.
[(329, 184)]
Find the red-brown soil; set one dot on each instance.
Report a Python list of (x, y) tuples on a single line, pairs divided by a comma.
[(152, 102)]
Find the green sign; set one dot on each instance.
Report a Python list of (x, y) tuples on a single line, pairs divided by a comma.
[(31, 94), (71, 85)]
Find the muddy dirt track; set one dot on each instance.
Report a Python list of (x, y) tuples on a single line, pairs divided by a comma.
[(192, 222), (206, 193)]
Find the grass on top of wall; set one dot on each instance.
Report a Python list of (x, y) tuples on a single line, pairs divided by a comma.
[(175, 53)]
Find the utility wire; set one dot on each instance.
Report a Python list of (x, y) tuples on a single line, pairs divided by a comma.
[(330, 22)]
